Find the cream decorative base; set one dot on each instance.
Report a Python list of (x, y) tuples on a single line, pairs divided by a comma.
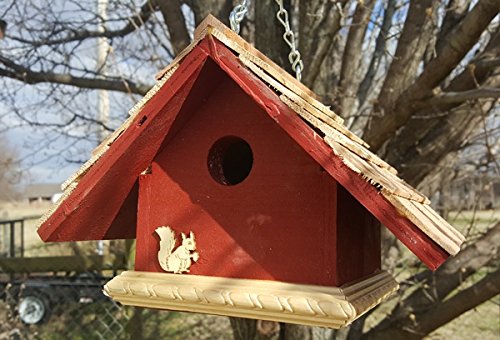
[(257, 299)]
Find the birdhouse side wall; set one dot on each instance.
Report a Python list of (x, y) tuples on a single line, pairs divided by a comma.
[(358, 239)]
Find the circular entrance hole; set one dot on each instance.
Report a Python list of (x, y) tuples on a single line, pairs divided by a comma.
[(230, 160)]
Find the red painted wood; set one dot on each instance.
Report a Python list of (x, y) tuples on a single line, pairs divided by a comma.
[(358, 239), (417, 241), (146, 192), (91, 208), (278, 224)]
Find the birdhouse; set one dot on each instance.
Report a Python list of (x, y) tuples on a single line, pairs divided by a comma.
[(246, 196)]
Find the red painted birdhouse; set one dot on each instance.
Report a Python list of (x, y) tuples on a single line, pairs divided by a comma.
[(247, 196)]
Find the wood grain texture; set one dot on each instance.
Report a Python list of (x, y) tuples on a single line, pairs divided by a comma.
[(267, 300)]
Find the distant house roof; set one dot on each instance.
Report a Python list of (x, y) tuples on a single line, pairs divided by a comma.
[(109, 178), (41, 190)]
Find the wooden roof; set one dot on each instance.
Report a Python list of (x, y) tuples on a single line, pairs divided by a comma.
[(373, 182)]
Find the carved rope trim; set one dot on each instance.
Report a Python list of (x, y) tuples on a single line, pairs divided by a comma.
[(270, 300)]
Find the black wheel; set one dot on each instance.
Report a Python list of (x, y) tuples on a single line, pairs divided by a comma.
[(33, 308)]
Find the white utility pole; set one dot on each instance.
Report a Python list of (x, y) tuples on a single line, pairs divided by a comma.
[(103, 96)]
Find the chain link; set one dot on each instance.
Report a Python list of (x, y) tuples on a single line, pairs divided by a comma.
[(289, 38), (237, 15)]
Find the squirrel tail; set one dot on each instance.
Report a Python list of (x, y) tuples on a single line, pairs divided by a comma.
[(167, 243)]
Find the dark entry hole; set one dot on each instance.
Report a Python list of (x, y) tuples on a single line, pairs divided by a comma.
[(230, 160)]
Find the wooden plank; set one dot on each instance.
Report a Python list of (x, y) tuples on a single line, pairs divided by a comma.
[(258, 299), (416, 240), (336, 135), (433, 214), (379, 176), (429, 226), (302, 103)]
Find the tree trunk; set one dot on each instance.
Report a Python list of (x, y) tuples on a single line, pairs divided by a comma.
[(269, 32)]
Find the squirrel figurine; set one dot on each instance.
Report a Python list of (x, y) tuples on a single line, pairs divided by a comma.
[(179, 260)]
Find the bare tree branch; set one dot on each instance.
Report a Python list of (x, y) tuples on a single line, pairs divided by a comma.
[(447, 98), (218, 8), (437, 286), (172, 14), (319, 23), (134, 23), (465, 300), (24, 74), (379, 51), (459, 43), (423, 142), (409, 52), (456, 10), (352, 56)]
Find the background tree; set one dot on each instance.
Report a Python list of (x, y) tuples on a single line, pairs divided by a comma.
[(417, 79)]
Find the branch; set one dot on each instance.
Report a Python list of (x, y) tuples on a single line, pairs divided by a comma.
[(465, 300), (447, 98), (317, 34), (352, 56), (134, 22), (26, 75), (455, 11), (436, 286), (409, 52), (459, 43), (480, 67), (172, 14), (3, 27), (219, 9), (380, 47)]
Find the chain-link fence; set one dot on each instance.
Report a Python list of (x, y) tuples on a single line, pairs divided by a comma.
[(75, 308), (54, 291)]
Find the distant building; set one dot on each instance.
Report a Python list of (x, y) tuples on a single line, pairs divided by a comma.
[(41, 192)]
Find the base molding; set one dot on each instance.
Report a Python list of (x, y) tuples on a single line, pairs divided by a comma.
[(331, 307)]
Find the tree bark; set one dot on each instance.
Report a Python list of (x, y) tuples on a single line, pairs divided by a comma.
[(172, 14), (269, 32), (396, 114), (218, 8), (434, 132), (464, 301), (348, 82), (24, 74), (249, 329), (416, 33), (319, 23), (380, 48)]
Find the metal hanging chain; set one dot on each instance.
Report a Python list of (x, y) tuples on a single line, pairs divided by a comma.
[(289, 37), (237, 15)]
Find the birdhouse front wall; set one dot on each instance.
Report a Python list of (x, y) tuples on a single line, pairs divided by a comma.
[(259, 206)]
